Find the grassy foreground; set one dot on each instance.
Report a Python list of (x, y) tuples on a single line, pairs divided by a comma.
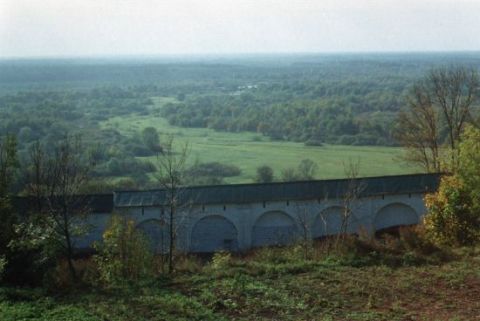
[(272, 286), (250, 150)]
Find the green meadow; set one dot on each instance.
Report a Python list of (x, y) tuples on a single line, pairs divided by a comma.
[(249, 150)]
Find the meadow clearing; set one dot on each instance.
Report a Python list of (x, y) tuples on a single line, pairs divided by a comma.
[(249, 150)]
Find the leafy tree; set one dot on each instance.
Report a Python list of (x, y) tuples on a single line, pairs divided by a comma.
[(469, 164), (151, 139), (56, 179), (38, 246), (8, 219), (8, 163), (264, 174), (8, 166)]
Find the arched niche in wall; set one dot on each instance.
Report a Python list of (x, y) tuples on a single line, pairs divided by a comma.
[(157, 234), (274, 228), (214, 233), (396, 214), (329, 222)]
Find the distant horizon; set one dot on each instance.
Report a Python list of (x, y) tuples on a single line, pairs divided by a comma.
[(122, 56)]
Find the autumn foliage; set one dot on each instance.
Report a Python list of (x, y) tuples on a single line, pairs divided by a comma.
[(454, 210), (450, 220)]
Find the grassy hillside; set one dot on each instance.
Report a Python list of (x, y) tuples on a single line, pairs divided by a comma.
[(250, 150), (272, 286)]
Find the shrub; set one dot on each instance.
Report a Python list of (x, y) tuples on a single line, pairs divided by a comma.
[(450, 220), (414, 238), (214, 169), (7, 219), (35, 251), (410, 247), (279, 255), (59, 277), (124, 255), (290, 175), (264, 174), (313, 142), (187, 264), (346, 140), (221, 260)]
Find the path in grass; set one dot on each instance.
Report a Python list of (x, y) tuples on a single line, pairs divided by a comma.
[(249, 150)]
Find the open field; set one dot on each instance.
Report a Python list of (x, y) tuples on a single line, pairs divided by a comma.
[(271, 287), (250, 150)]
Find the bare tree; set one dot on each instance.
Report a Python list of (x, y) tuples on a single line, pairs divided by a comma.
[(36, 174), (351, 195), (307, 169), (302, 214), (443, 100), (290, 174), (417, 129), (454, 90), (171, 166)]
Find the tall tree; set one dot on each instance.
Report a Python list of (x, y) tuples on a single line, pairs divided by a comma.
[(56, 179), (8, 166), (171, 169), (442, 101), (454, 90), (417, 129)]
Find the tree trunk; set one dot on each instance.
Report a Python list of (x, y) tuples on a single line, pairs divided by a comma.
[(66, 230), (171, 248), (71, 267)]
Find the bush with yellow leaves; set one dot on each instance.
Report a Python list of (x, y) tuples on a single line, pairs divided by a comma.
[(450, 219), (454, 210), (124, 255)]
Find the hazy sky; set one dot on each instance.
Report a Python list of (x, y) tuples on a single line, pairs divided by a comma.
[(121, 27)]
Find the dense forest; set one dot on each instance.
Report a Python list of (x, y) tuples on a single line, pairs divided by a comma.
[(313, 99)]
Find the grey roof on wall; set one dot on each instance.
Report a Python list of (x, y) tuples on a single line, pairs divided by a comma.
[(253, 193)]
